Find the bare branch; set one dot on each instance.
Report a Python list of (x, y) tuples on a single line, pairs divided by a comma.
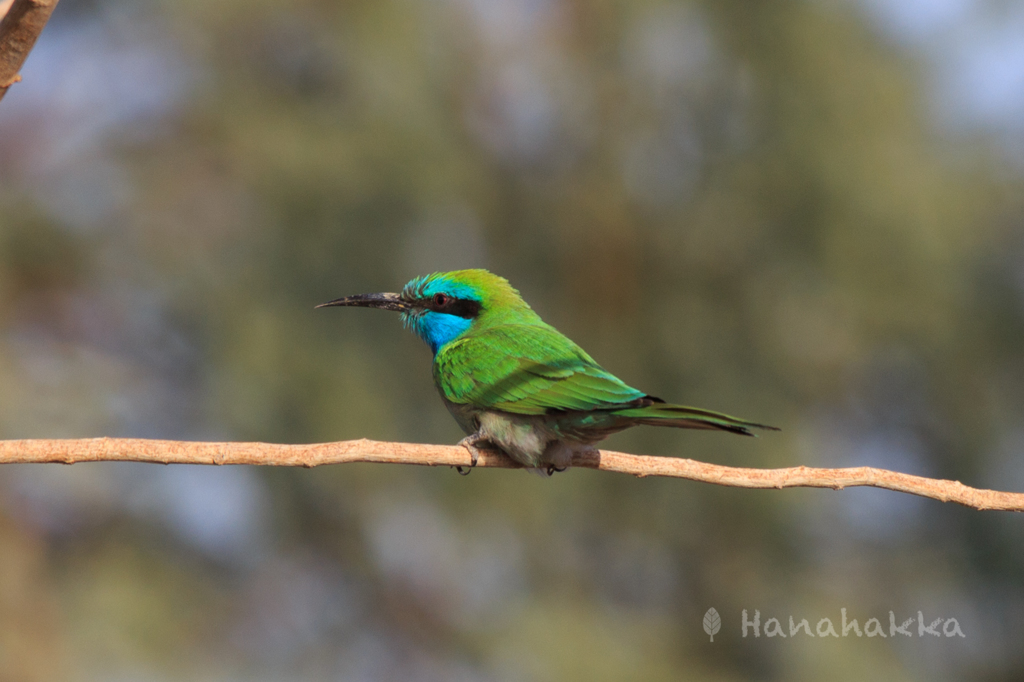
[(185, 452), (19, 29)]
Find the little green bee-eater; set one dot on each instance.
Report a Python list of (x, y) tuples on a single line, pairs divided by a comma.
[(515, 382)]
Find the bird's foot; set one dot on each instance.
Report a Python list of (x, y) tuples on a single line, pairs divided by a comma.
[(558, 456), (471, 443)]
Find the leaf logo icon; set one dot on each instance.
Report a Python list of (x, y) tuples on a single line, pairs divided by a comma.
[(712, 623)]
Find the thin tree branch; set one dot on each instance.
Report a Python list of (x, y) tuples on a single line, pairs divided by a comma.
[(19, 29), (186, 452)]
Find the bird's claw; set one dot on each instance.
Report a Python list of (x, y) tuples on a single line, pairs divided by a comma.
[(552, 469), (470, 443)]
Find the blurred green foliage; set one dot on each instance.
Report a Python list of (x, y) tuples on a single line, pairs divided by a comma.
[(742, 206)]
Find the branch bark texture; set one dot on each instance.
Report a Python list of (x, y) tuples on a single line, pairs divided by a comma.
[(19, 29), (187, 452)]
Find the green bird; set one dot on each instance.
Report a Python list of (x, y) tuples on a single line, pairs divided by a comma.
[(516, 383)]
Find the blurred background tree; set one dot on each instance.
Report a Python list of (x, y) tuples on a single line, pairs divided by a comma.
[(807, 213)]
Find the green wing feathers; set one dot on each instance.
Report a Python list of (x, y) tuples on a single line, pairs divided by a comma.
[(526, 369), (535, 370)]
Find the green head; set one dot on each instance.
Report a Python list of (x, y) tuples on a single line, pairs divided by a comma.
[(443, 306)]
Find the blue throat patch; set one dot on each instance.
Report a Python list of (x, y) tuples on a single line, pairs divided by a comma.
[(437, 329)]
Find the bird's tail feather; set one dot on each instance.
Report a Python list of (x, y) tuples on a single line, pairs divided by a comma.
[(679, 416)]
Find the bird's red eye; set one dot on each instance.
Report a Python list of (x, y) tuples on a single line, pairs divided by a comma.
[(440, 299)]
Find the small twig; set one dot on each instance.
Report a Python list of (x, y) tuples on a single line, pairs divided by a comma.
[(19, 29), (185, 452)]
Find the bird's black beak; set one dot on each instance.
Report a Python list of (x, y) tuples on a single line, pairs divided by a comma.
[(382, 301)]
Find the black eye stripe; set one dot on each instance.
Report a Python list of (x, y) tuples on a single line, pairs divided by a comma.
[(461, 307)]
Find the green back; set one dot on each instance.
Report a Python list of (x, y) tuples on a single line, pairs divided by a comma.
[(513, 361)]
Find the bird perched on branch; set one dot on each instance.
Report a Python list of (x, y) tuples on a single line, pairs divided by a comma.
[(515, 382)]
